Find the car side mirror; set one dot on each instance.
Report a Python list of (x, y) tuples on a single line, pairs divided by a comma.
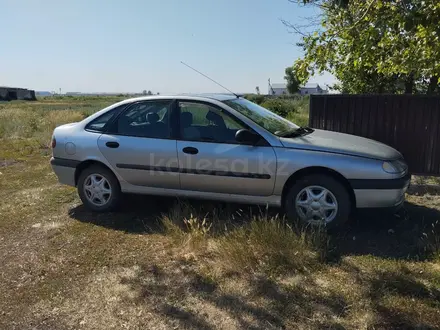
[(246, 136)]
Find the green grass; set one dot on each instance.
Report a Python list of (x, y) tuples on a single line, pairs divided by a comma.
[(162, 263)]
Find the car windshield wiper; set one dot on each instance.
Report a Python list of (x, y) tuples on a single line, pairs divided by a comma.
[(300, 131)]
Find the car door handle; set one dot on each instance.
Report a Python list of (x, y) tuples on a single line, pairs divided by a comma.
[(191, 150), (112, 144)]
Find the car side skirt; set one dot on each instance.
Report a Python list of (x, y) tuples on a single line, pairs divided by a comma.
[(245, 199)]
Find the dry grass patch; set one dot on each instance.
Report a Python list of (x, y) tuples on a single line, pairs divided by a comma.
[(21, 123), (270, 245), (245, 242)]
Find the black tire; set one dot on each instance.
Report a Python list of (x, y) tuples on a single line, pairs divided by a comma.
[(334, 186), (115, 196)]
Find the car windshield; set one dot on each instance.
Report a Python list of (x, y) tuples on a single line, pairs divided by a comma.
[(261, 116)]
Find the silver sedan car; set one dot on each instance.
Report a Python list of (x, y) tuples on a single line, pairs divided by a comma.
[(225, 148)]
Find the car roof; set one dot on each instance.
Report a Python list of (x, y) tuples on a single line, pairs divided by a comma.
[(218, 97)]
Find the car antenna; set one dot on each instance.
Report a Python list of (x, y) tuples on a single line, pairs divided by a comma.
[(204, 75)]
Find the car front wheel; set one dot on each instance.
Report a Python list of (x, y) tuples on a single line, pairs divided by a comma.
[(98, 189), (318, 200)]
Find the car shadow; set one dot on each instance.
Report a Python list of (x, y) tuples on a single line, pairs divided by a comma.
[(143, 213), (400, 236), (136, 214)]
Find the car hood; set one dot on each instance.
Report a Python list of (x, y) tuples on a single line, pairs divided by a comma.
[(341, 143)]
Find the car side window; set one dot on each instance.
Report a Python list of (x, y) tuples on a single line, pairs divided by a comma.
[(201, 122), (149, 119), (99, 124)]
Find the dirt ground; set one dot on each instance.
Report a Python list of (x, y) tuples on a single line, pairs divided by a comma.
[(63, 267)]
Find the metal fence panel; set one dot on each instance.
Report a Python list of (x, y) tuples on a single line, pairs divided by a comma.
[(409, 123)]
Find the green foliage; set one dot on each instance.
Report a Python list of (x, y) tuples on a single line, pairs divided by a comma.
[(294, 108), (258, 99), (334, 3), (301, 115), (376, 46), (280, 106), (293, 82)]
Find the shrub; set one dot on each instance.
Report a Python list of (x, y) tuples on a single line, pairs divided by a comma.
[(299, 118), (258, 99), (280, 106), (284, 105), (302, 103)]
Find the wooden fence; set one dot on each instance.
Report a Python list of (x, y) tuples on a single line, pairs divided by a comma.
[(409, 123)]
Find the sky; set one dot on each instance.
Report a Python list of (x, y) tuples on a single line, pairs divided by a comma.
[(135, 45)]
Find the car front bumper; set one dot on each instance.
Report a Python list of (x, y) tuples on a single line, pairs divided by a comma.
[(381, 193), (64, 170)]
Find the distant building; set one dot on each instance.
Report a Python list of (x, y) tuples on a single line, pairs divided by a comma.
[(308, 89), (43, 93), (278, 89), (14, 93), (312, 89), (91, 94)]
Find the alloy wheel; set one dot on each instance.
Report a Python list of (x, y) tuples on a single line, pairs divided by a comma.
[(316, 205), (97, 189)]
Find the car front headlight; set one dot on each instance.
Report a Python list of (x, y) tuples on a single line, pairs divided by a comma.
[(395, 166)]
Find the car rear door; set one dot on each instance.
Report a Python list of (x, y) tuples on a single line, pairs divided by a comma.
[(211, 160), (140, 147)]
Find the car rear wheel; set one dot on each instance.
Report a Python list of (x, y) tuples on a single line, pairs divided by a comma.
[(318, 200), (98, 189)]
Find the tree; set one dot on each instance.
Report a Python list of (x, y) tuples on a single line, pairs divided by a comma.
[(144, 92), (374, 46), (149, 93), (293, 83), (257, 89)]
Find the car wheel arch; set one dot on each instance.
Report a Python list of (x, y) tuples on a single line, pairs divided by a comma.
[(319, 170), (86, 164)]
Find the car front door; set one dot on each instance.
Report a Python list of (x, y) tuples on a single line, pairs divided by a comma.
[(140, 147), (210, 158)]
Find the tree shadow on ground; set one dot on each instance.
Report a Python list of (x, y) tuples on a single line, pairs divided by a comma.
[(190, 299), (400, 297)]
